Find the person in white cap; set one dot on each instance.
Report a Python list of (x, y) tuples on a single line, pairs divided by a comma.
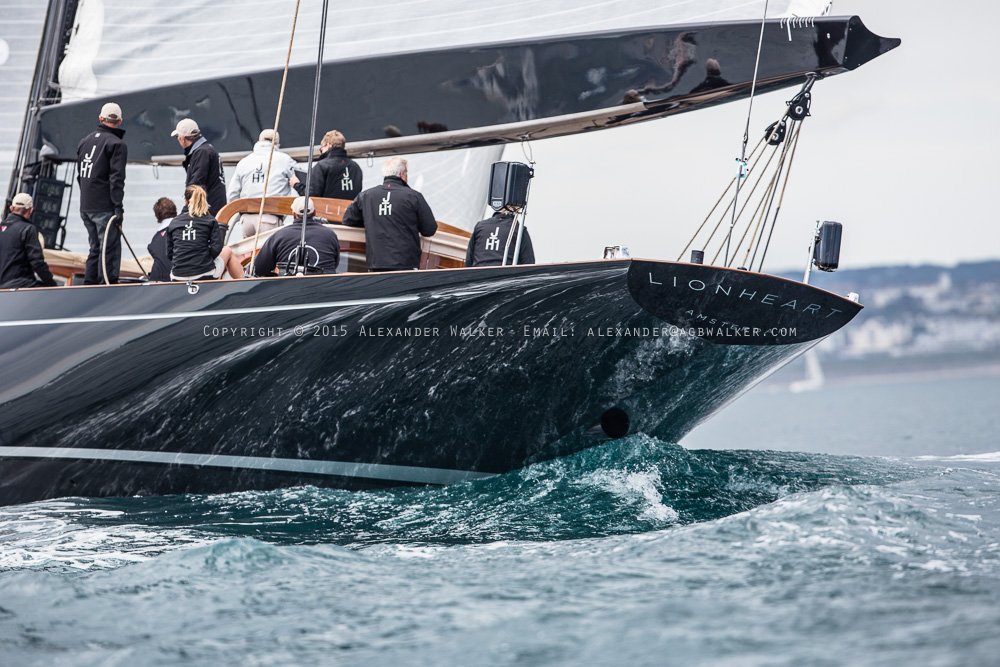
[(248, 181), (280, 252), (202, 164), (100, 159), (22, 263)]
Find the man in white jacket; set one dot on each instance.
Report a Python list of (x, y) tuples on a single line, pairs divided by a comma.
[(249, 180)]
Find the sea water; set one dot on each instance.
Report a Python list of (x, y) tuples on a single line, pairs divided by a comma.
[(639, 552)]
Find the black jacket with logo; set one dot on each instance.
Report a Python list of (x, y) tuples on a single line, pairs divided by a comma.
[(204, 168), (489, 238), (21, 257), (100, 170), (394, 217), (193, 243), (281, 249), (335, 175)]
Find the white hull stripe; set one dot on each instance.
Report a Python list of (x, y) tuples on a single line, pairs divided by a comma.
[(366, 470), (208, 313)]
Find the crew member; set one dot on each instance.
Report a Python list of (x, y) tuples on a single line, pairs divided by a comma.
[(195, 242), (280, 251), (334, 174), (165, 211), (248, 181), (22, 263), (394, 217), (202, 164), (492, 235), (101, 157)]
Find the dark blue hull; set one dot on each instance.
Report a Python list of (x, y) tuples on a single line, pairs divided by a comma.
[(358, 381)]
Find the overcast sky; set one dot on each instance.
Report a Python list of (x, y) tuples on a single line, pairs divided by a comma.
[(902, 151)]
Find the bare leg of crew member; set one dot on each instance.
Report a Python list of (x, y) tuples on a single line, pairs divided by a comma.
[(233, 265)]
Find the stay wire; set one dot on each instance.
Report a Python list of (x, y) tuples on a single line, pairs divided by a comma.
[(737, 216), (788, 174), (767, 216), (729, 206), (772, 191), (312, 133), (746, 131), (277, 119), (757, 214), (717, 202)]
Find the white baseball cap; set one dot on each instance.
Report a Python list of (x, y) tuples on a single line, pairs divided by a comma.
[(23, 200), (299, 203), (111, 111), (269, 135), (186, 128)]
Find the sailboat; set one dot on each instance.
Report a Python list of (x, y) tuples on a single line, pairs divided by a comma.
[(364, 380)]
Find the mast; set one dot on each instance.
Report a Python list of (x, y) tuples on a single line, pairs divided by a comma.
[(45, 91)]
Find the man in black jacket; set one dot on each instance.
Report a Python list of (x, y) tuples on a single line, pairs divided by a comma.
[(492, 235), (394, 217), (101, 157), (334, 175), (280, 251), (202, 164), (21, 258)]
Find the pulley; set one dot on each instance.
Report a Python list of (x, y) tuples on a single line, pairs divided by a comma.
[(776, 132), (798, 107)]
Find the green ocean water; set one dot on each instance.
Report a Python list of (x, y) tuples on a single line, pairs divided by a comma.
[(873, 538)]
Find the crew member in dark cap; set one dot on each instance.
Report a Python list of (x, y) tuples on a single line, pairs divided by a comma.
[(280, 252), (492, 235), (101, 158), (22, 263), (202, 164), (394, 216)]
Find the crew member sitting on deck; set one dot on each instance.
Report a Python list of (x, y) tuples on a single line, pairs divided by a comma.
[(165, 211), (194, 242), (281, 250), (394, 217), (21, 257), (492, 235)]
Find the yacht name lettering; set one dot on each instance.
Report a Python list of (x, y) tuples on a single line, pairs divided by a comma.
[(765, 299)]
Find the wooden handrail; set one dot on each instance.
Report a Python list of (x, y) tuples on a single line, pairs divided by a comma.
[(330, 209)]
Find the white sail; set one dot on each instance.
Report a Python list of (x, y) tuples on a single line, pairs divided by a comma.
[(21, 26), (122, 45)]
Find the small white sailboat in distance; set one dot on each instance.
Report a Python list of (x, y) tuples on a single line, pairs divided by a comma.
[(814, 378)]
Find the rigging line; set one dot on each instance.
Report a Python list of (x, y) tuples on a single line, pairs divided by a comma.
[(737, 216), (781, 165), (277, 118), (746, 131), (719, 201), (303, 253), (723, 216), (781, 199), (771, 192), (756, 211)]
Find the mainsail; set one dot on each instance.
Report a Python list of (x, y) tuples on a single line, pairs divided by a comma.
[(119, 46)]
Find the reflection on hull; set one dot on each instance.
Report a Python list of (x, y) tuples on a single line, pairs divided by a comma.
[(358, 381)]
